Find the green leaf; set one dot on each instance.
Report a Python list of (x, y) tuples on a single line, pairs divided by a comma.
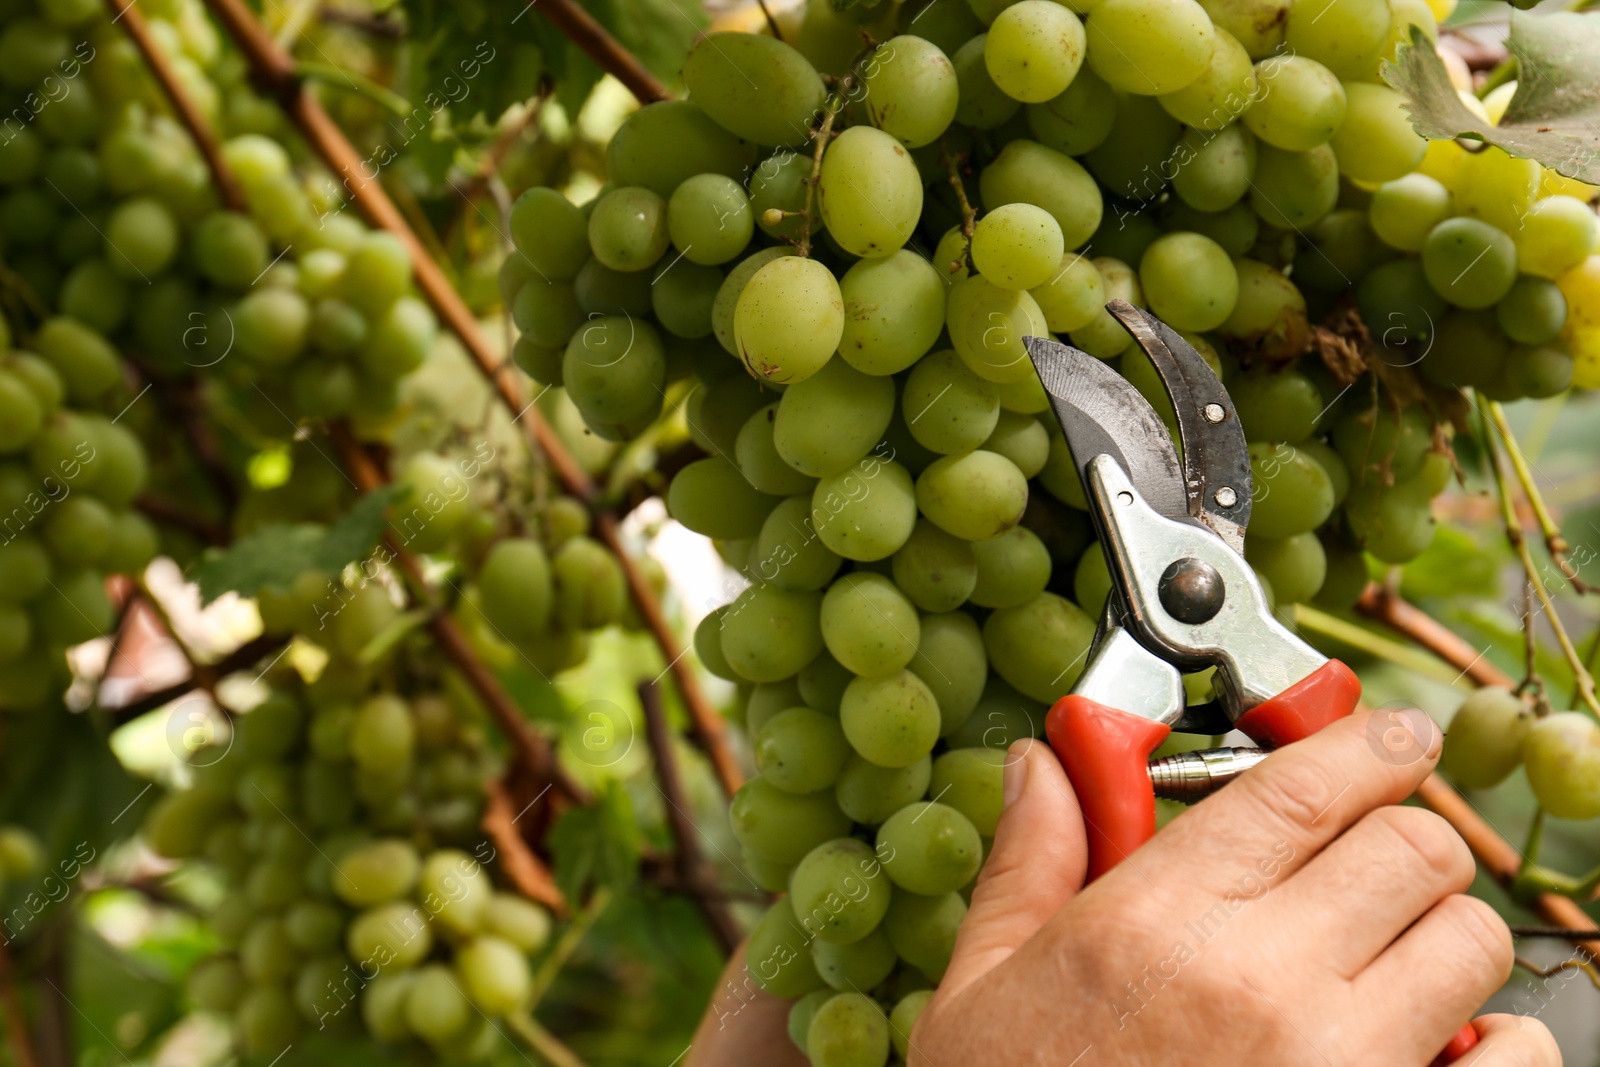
[(1553, 118), (1455, 564), (597, 845), (274, 554)]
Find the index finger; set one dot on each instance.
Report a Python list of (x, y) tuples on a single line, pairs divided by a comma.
[(1287, 809)]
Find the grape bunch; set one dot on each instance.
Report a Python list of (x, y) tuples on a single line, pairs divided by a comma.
[(342, 819), (1496, 730), (843, 247)]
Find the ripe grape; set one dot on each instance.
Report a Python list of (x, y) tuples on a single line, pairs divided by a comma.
[(757, 87), (870, 192), (1483, 744), (495, 974), (826, 423), (1077, 120), (1212, 171), (1039, 647), (982, 104), (1189, 281), (800, 750), (974, 495), (839, 893), (1292, 190), (929, 848), (1149, 46), (911, 90), (894, 310), (867, 512), (770, 633), (849, 1030), (709, 219), (550, 232), (1376, 143), (903, 1019), (1532, 312), (891, 720), (776, 954), (1470, 263), (1555, 235), (1028, 172), (987, 324), (788, 320), (868, 625), (937, 570), (662, 146), (951, 661), (1033, 50), (1562, 755)]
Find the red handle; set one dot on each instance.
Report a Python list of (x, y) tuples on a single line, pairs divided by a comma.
[(1465, 1040), (1326, 695), (1105, 753)]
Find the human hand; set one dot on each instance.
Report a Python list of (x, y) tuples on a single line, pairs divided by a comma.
[(1299, 917)]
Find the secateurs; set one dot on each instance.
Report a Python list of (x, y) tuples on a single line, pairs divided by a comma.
[(1183, 598)]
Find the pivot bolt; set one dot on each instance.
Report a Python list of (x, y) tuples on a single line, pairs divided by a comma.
[(1191, 590), (1226, 497)]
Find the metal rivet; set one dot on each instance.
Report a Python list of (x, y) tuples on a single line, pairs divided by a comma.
[(1124, 497), (1214, 413), (1191, 590), (1226, 497)]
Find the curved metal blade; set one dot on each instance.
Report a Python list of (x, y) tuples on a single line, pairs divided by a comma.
[(1100, 413), (1216, 460)]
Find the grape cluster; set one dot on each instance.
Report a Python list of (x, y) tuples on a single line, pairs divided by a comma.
[(343, 821), (1496, 730), (845, 249)]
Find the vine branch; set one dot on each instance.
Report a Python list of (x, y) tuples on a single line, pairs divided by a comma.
[(969, 215), (579, 27), (1555, 543), (274, 71), (824, 132), (18, 1034)]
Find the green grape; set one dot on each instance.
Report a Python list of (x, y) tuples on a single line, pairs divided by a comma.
[(546, 313), (383, 1006), (1404, 211), (1398, 304), (862, 964), (518, 920), (923, 929), (1331, 462), (849, 1030), (313, 926), (1276, 405), (1039, 647), (95, 295), (987, 325), (800, 750), (712, 498), (614, 371), (1018, 246), (1033, 50), (664, 144), (952, 663), (1484, 742), (1292, 190), (1469, 263), (1028, 172), (1022, 439), (708, 645), (322, 269), (40, 378), (868, 625), (782, 827), (1557, 234), (628, 229), (515, 589), (16, 631), (75, 610), (802, 1012), (826, 423), (869, 794), (1537, 371), (910, 90), (21, 414), (86, 363), (377, 273), (1077, 120), (822, 683), (1073, 296), (19, 156), (870, 192), (25, 569), (867, 512), (953, 410), (788, 320), (894, 310), (770, 633), (969, 780), (1103, 336), (550, 233), (756, 87), (1149, 46), (265, 953), (892, 720), (538, 362), (759, 460), (1293, 493), (982, 105), (776, 955), (216, 984), (591, 590), (1189, 281), (788, 552), (1213, 170), (266, 1020), (929, 848), (271, 325), (1091, 580), (936, 570), (1392, 523), (1342, 35), (1532, 312), (1302, 103), (903, 1019), (767, 700), (1294, 567), (435, 1006), (727, 404), (1227, 87), (141, 238), (709, 219), (1012, 569), (229, 249), (975, 495), (838, 892), (1562, 758), (1376, 142), (77, 531), (603, 291), (780, 184), (382, 735), (495, 973)]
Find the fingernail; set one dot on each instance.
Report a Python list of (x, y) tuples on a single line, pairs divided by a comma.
[(1016, 771)]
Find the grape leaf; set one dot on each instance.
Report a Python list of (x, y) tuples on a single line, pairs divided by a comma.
[(274, 554), (1553, 118), (597, 844)]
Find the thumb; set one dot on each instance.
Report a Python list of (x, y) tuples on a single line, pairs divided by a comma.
[(1036, 866)]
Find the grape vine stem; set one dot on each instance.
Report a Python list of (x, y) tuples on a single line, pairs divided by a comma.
[(969, 215), (579, 27), (18, 1034), (274, 71), (1519, 544), (697, 876), (824, 132), (542, 1041), (205, 138), (1497, 855), (1554, 541)]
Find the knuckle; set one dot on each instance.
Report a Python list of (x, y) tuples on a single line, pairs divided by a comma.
[(1429, 841), (1483, 933), (1298, 792)]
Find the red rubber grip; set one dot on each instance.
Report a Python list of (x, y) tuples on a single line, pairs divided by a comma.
[(1465, 1041), (1105, 753), (1326, 695)]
